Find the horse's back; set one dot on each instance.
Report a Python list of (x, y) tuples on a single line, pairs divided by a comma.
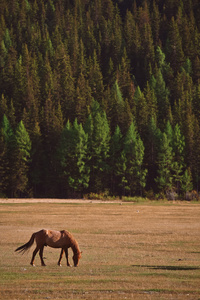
[(57, 239), (54, 238)]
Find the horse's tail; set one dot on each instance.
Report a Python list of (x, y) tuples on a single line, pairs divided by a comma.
[(26, 246)]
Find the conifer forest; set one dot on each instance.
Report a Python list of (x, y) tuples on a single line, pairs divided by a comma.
[(99, 97)]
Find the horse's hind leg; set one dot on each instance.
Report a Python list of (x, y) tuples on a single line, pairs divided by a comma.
[(61, 255), (41, 256), (34, 254)]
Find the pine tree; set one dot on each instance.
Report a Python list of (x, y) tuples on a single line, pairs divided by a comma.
[(152, 146), (19, 86), (51, 128), (7, 39), (134, 152), (11, 114), (142, 112), (7, 157), (196, 69), (168, 130), (83, 99), (30, 98), (156, 19), (65, 83), (125, 81), (64, 148), (129, 26), (3, 107), (22, 160), (96, 80), (178, 145), (116, 43), (36, 161), (7, 75), (80, 175), (117, 163), (46, 79), (151, 102), (187, 185), (188, 127), (98, 131), (147, 45), (175, 50), (162, 94), (120, 112), (164, 66), (73, 157), (165, 159)]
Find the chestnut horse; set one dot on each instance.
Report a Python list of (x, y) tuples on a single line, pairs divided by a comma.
[(55, 239)]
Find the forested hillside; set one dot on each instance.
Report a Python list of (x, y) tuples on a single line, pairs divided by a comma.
[(99, 96)]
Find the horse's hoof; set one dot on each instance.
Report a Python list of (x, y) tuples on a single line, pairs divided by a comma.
[(59, 265), (32, 265)]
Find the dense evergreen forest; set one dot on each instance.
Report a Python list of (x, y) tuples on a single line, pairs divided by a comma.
[(99, 96)]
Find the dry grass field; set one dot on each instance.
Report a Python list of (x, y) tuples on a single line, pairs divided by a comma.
[(130, 251)]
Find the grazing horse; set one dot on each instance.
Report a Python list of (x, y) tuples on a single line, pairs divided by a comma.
[(55, 239)]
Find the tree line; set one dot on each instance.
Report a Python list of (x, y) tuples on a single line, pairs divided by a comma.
[(87, 158), (99, 97)]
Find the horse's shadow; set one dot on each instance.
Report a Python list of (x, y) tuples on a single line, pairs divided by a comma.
[(169, 268)]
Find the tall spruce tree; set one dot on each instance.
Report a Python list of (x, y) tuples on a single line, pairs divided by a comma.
[(83, 98), (165, 159), (187, 185), (120, 112), (7, 170), (162, 92), (73, 158), (98, 131), (152, 145), (80, 175), (134, 152), (22, 153), (142, 111), (51, 128), (36, 161), (65, 91), (175, 49), (178, 145), (117, 163)]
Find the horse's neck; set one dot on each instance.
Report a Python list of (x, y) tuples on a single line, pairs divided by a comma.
[(75, 247)]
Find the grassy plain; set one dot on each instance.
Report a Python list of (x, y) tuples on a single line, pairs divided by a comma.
[(130, 251)]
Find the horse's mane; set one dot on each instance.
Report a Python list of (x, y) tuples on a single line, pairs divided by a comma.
[(75, 246), (74, 243)]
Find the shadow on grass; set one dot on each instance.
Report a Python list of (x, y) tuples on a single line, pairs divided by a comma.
[(169, 268)]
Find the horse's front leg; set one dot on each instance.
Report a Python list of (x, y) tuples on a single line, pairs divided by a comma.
[(66, 254), (61, 255), (41, 256)]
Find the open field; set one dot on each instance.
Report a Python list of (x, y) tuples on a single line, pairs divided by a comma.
[(130, 251)]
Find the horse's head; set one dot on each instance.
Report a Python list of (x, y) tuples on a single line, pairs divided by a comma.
[(76, 258)]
